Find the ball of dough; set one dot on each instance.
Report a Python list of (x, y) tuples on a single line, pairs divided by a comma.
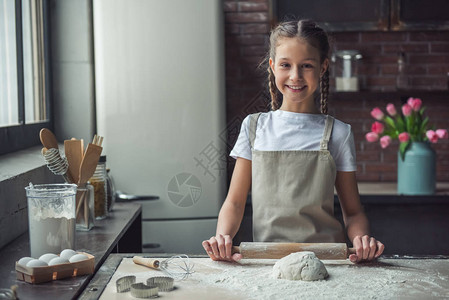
[(300, 266)]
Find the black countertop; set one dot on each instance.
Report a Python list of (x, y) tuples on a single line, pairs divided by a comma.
[(103, 239)]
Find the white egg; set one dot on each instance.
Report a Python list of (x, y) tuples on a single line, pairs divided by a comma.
[(47, 257), (36, 263), (78, 257), (67, 253), (24, 260), (57, 261)]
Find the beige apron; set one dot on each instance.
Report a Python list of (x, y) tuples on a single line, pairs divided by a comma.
[(293, 193)]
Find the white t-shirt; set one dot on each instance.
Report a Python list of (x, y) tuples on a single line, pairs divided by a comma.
[(284, 130)]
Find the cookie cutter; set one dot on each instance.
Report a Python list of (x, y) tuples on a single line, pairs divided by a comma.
[(164, 283), (123, 284), (141, 290)]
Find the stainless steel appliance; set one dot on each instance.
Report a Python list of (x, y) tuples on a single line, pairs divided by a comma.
[(159, 80)]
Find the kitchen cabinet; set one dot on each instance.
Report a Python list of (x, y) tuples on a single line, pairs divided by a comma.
[(419, 15), (366, 15)]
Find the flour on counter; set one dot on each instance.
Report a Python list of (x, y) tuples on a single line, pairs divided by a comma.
[(251, 279), (380, 280)]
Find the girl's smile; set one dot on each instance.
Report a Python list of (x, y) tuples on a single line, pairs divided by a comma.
[(297, 70)]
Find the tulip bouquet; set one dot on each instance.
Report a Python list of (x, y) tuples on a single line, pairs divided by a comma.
[(409, 127)]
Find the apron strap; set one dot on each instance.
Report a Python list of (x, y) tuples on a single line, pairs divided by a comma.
[(327, 133), (252, 128)]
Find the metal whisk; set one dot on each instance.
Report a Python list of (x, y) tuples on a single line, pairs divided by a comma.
[(179, 266), (56, 163)]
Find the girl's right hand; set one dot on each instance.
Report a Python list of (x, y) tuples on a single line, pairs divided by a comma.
[(219, 247)]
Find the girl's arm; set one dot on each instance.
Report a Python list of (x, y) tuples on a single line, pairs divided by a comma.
[(356, 222), (219, 246)]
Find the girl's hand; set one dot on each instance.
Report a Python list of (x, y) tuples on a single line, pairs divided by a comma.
[(367, 248), (219, 247)]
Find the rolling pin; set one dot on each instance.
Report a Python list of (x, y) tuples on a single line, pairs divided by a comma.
[(279, 250)]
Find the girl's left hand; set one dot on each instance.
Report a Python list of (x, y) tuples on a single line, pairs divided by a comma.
[(367, 248)]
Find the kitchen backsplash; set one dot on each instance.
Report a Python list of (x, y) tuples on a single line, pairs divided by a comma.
[(247, 26)]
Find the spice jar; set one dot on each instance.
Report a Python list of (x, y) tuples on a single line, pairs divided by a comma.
[(98, 180)]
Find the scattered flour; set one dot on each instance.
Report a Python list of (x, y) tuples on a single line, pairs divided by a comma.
[(379, 280), (252, 279)]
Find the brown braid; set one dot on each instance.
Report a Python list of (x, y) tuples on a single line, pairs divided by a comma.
[(324, 87), (273, 90)]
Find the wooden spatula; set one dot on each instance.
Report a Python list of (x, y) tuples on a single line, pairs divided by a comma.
[(48, 139), (74, 154), (279, 250), (87, 169), (89, 163)]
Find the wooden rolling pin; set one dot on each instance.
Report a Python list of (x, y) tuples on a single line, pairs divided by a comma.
[(279, 250)]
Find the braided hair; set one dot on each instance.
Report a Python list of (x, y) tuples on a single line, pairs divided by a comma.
[(317, 38)]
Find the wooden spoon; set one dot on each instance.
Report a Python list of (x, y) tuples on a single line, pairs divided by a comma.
[(87, 169), (74, 155), (48, 139)]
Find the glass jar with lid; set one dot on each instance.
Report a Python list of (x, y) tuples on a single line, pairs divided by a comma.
[(346, 70)]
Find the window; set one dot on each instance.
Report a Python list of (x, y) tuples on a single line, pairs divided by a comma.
[(24, 67)]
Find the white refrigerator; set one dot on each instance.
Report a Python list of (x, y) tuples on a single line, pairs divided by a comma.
[(160, 105)]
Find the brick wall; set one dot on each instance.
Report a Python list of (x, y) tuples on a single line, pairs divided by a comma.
[(427, 56)]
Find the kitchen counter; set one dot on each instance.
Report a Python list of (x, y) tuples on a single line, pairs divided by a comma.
[(119, 232), (391, 277)]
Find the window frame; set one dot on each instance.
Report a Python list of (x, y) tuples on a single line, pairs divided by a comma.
[(21, 136)]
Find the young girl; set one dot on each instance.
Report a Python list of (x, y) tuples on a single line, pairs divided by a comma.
[(293, 156)]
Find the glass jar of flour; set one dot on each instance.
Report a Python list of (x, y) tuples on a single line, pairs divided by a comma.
[(51, 217)]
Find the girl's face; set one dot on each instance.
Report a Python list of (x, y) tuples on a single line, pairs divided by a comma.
[(297, 70)]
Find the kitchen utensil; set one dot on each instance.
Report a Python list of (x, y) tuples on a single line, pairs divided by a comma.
[(57, 164), (48, 139), (87, 169), (279, 250), (74, 154), (165, 284), (178, 266), (141, 290), (123, 284)]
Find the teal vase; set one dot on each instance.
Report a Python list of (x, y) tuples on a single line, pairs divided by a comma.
[(417, 172)]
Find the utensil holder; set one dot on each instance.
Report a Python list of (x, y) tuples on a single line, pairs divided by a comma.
[(85, 208)]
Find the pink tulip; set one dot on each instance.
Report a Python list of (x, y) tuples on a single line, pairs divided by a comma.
[(377, 114), (442, 133), (432, 136), (372, 137), (377, 127), (385, 141), (391, 109), (415, 103), (406, 110), (404, 137)]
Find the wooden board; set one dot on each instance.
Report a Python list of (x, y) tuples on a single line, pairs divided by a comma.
[(251, 279)]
